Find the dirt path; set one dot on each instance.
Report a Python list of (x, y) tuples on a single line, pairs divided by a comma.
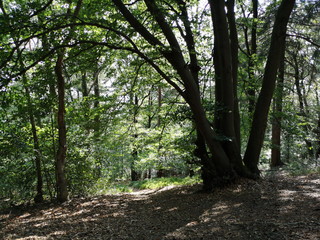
[(277, 207)]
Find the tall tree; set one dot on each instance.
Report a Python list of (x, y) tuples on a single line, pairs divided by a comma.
[(62, 189), (61, 184), (225, 157), (260, 117)]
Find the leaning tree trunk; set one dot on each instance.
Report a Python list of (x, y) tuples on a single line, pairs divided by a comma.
[(200, 150), (260, 117)]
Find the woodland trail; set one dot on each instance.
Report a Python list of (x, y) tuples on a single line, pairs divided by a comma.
[(275, 207)]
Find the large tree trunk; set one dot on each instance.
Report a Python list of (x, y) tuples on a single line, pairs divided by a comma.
[(260, 117), (224, 60), (62, 191), (225, 159), (234, 58), (218, 167)]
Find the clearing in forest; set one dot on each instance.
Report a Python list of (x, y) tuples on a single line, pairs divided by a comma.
[(275, 207)]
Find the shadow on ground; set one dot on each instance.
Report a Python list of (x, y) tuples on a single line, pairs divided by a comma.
[(277, 207)]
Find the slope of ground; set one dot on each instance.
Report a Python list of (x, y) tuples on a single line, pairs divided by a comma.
[(276, 207)]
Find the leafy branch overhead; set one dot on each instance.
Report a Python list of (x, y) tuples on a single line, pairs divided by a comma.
[(119, 90)]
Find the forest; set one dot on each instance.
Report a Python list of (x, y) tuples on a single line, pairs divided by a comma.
[(191, 101)]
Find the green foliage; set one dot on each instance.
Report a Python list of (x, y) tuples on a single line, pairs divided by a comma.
[(105, 187), (106, 126), (157, 183)]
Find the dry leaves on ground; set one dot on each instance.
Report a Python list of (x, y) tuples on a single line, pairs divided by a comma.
[(276, 207)]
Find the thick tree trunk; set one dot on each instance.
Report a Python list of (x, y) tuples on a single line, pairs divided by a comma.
[(260, 117), (225, 83), (234, 56), (62, 191), (218, 167)]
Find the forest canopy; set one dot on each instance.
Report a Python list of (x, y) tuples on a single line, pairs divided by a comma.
[(105, 91)]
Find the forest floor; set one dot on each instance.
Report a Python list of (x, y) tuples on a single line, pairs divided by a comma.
[(276, 207)]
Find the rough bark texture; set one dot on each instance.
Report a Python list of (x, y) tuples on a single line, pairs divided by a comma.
[(260, 117)]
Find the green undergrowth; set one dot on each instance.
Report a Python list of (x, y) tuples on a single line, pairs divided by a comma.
[(104, 187)]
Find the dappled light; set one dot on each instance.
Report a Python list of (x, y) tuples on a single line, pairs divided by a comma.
[(276, 207), (159, 120)]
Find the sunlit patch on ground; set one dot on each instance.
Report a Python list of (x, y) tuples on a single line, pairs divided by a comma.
[(278, 207)]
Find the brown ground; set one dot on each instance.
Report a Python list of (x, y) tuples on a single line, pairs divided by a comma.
[(276, 207)]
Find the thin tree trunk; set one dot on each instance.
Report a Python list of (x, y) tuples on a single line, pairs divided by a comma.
[(62, 190), (36, 147), (252, 59), (201, 150), (260, 117), (134, 173), (303, 107), (276, 121), (160, 169), (317, 130), (96, 104)]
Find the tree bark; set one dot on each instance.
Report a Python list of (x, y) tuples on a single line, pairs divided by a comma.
[(224, 60), (61, 181), (62, 190), (219, 169), (260, 117), (234, 58)]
